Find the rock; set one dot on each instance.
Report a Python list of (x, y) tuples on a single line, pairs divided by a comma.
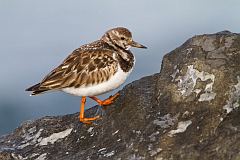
[(190, 110)]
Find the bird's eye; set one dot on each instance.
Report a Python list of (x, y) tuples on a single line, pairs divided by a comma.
[(122, 38)]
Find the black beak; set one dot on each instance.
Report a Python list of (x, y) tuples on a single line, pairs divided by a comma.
[(137, 45)]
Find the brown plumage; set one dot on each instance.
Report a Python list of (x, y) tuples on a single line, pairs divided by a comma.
[(88, 65), (93, 69)]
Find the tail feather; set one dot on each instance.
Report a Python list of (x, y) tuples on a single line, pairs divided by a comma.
[(38, 92), (35, 89)]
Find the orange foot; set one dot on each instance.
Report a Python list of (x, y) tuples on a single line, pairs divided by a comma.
[(110, 100), (89, 120), (106, 102)]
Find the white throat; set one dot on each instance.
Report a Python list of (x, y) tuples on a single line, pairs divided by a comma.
[(128, 47)]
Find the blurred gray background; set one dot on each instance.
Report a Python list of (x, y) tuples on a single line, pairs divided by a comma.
[(35, 36)]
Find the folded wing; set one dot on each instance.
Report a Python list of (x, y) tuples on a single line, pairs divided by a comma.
[(79, 69)]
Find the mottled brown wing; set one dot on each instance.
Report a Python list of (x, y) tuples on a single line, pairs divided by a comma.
[(81, 68)]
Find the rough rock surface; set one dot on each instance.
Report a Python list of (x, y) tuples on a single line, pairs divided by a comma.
[(190, 110)]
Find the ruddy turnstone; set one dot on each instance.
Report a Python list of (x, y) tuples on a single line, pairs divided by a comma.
[(93, 69)]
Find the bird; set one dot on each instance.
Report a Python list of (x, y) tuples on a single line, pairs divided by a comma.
[(93, 69)]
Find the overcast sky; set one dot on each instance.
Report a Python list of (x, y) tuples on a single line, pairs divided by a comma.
[(35, 36)]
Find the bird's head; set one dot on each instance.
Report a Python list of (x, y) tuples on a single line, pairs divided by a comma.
[(120, 38)]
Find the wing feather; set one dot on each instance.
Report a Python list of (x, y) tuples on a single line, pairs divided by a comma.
[(81, 68)]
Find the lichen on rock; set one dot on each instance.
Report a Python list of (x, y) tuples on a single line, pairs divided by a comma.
[(234, 99), (188, 82)]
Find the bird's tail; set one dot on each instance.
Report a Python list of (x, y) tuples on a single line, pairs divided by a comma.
[(35, 89)]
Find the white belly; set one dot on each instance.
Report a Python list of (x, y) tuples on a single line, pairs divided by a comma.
[(114, 82)]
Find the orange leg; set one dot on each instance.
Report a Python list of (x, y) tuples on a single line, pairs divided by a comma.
[(105, 102), (81, 115)]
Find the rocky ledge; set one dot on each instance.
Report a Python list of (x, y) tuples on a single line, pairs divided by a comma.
[(190, 110)]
